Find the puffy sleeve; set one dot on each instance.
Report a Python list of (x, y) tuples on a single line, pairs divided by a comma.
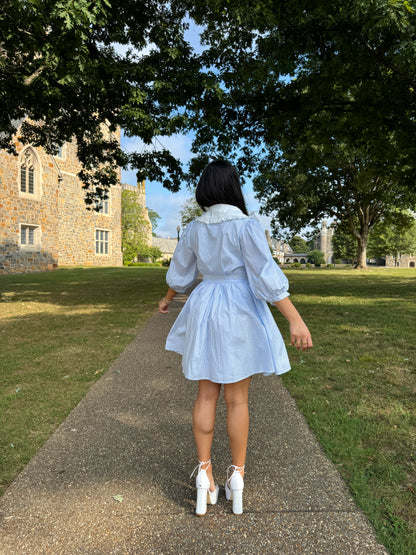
[(266, 279), (183, 269)]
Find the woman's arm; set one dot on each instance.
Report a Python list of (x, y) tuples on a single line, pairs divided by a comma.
[(300, 336), (165, 302)]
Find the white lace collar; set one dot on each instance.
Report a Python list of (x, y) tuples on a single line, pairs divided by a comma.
[(221, 213)]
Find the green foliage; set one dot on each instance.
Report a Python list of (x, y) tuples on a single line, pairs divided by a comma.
[(296, 265), (322, 95), (145, 264), (308, 265), (135, 228), (393, 237), (154, 219), (344, 243), (190, 210), (81, 69), (316, 257), (298, 244)]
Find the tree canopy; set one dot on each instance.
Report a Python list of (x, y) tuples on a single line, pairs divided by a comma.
[(321, 99), (190, 210), (298, 244), (323, 94), (81, 69), (394, 237)]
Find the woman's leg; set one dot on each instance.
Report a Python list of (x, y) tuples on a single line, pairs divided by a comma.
[(236, 398), (204, 421)]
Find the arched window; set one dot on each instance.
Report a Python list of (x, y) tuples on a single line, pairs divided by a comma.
[(302, 261), (411, 264), (29, 172)]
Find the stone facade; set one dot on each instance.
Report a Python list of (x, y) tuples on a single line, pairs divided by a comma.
[(402, 261), (323, 242), (44, 222)]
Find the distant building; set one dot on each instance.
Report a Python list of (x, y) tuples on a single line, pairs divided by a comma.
[(44, 222), (167, 246), (323, 243), (402, 261)]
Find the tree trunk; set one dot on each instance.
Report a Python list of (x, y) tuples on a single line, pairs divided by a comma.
[(362, 250)]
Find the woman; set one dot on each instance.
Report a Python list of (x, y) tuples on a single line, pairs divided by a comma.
[(225, 332)]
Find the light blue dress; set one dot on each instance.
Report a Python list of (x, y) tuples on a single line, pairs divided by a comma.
[(225, 332)]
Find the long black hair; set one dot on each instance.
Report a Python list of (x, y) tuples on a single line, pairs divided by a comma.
[(220, 184)]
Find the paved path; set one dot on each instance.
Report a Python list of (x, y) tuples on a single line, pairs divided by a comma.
[(131, 436)]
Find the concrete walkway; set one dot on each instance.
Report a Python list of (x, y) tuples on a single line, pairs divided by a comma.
[(131, 436)]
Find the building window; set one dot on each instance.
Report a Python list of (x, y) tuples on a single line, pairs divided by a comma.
[(61, 152), (29, 236), (104, 207), (102, 238), (29, 173)]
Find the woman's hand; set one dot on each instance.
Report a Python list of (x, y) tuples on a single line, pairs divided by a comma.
[(165, 302), (163, 305), (300, 336)]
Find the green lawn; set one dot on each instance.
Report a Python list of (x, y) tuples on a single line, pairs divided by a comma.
[(356, 387), (59, 332)]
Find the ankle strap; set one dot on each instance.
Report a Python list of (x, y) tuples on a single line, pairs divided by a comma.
[(235, 469), (199, 467)]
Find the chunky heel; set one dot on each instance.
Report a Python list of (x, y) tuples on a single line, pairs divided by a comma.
[(238, 502), (234, 489), (201, 501), (203, 494)]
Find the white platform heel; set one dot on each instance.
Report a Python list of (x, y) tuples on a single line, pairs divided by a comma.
[(203, 493), (234, 488)]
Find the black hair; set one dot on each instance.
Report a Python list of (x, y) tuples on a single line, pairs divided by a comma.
[(220, 184)]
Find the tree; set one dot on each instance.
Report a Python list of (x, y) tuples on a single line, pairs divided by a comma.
[(82, 69), (316, 93), (316, 257), (135, 228), (298, 244), (344, 244), (154, 219), (190, 210), (393, 238)]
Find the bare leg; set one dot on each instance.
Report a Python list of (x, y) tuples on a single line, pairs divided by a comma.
[(236, 398), (204, 421)]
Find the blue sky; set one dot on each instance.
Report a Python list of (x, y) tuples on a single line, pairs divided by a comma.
[(167, 204)]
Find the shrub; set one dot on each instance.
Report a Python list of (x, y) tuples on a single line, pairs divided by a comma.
[(296, 265), (317, 264), (166, 263), (277, 260), (308, 265), (146, 264), (329, 266)]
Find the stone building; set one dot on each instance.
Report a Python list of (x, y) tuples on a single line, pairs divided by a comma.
[(323, 242), (166, 245), (44, 222), (402, 261)]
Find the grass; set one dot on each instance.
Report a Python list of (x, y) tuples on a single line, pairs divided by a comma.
[(61, 330), (357, 388)]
